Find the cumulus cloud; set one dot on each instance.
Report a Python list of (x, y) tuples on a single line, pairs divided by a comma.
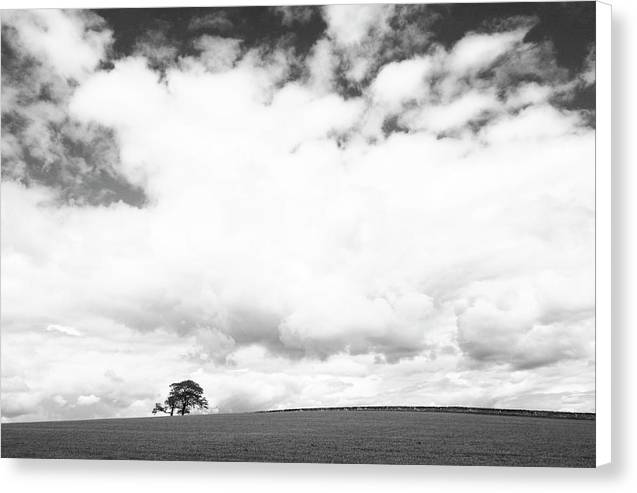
[(357, 32), (322, 65), (477, 52), (87, 400), (47, 53), (398, 82), (458, 113), (61, 401), (73, 42), (427, 240), (218, 53), (156, 47), (353, 24)]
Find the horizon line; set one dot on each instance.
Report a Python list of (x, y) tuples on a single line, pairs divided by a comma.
[(521, 412)]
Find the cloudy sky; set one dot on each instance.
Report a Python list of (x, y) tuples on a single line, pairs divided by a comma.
[(313, 206)]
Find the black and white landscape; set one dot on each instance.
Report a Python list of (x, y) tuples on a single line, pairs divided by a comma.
[(386, 209)]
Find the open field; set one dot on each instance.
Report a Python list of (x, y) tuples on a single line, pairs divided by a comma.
[(337, 436)]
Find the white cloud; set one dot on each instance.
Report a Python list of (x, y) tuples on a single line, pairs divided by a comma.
[(321, 64), (66, 41), (62, 329), (399, 82), (451, 115), (59, 400), (588, 73), (357, 33), (534, 123), (218, 53), (531, 93), (477, 52), (353, 24), (87, 400)]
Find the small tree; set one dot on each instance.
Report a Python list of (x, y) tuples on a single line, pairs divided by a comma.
[(169, 406), (183, 396)]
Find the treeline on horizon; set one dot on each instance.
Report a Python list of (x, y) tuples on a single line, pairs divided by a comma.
[(450, 409)]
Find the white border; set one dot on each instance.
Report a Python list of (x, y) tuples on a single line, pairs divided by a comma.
[(603, 235)]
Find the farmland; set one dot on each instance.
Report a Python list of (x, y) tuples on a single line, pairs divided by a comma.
[(327, 436)]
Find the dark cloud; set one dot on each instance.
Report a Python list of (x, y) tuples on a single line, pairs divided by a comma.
[(297, 14), (42, 145), (298, 27), (157, 47), (217, 22)]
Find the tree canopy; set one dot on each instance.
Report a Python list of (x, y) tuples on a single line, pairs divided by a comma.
[(183, 397)]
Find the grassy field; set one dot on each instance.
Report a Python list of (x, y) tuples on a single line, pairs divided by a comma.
[(376, 437)]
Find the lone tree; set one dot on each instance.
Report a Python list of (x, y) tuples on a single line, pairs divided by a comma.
[(183, 397)]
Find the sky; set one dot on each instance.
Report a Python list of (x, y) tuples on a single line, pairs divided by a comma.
[(298, 207)]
